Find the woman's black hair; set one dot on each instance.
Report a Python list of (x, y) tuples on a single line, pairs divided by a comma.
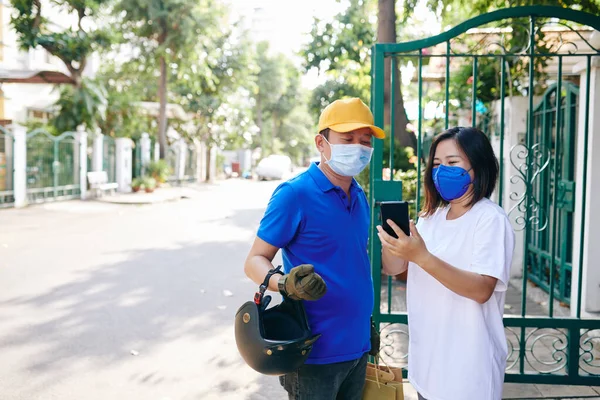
[(480, 153)]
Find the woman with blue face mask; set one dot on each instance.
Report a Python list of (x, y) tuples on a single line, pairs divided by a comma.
[(458, 258)]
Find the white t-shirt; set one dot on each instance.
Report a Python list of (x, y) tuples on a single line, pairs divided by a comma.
[(457, 347)]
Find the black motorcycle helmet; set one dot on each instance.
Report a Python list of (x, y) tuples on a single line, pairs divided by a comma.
[(274, 341)]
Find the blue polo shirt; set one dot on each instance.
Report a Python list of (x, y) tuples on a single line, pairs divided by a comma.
[(313, 222)]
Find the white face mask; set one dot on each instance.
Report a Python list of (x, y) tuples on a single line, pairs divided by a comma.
[(349, 159)]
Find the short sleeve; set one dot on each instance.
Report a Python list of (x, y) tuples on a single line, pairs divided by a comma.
[(282, 218), (493, 248)]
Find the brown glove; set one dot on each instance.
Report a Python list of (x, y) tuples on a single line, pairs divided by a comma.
[(303, 283)]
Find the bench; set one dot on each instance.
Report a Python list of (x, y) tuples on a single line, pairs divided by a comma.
[(98, 181)]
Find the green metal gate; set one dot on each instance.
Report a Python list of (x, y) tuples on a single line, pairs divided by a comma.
[(544, 348), (52, 166), (109, 158), (7, 195), (555, 191), (191, 163)]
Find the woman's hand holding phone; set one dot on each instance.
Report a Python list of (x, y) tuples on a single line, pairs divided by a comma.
[(410, 248)]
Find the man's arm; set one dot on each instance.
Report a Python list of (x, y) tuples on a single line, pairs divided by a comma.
[(392, 265), (259, 262)]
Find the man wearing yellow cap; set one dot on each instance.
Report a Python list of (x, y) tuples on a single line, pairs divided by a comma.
[(320, 219)]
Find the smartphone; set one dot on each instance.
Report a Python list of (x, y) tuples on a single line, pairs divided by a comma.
[(397, 211)]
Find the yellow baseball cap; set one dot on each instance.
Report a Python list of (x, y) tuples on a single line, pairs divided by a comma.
[(346, 115)]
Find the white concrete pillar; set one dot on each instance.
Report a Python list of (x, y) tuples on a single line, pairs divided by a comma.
[(98, 151), (146, 145), (590, 294), (198, 149), (202, 160), (20, 165), (82, 141), (515, 128), (124, 155), (212, 168)]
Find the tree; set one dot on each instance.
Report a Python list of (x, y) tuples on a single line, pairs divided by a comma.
[(71, 45), (169, 30), (84, 103), (269, 84), (386, 33), (341, 48)]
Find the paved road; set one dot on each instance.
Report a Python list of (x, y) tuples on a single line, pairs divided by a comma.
[(101, 301)]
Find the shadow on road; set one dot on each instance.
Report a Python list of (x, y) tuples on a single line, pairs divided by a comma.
[(155, 316)]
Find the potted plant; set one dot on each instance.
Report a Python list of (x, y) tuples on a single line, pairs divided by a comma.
[(149, 184), (159, 170), (137, 183)]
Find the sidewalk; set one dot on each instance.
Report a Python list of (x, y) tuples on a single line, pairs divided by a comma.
[(535, 306), (160, 195), (515, 391)]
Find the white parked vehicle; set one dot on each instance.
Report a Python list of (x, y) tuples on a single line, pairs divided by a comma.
[(274, 167)]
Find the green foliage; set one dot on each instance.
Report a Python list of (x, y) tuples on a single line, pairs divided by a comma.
[(341, 49), (172, 27), (34, 124), (170, 31), (403, 156), (149, 183), (159, 170), (123, 118), (364, 180), (144, 182), (85, 105), (332, 90), (279, 106), (409, 190), (72, 46)]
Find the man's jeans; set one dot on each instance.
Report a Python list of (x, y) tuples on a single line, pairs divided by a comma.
[(339, 381)]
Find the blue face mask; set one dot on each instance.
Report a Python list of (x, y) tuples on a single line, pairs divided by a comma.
[(451, 182), (349, 159)]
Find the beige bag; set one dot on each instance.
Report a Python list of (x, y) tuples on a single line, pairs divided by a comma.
[(383, 383)]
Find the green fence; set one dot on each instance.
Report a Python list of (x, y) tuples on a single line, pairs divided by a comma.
[(543, 348), (52, 166), (109, 158), (7, 195), (549, 252), (191, 163)]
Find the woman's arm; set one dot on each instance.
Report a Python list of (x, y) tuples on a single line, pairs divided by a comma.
[(468, 284), (412, 248), (392, 265)]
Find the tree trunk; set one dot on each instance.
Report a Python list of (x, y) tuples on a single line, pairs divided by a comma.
[(162, 113), (386, 33)]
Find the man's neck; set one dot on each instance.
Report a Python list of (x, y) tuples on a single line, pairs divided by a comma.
[(338, 180)]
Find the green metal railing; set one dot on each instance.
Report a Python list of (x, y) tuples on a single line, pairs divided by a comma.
[(554, 129), (137, 159), (7, 195), (109, 157), (172, 160), (191, 163), (544, 348), (52, 166)]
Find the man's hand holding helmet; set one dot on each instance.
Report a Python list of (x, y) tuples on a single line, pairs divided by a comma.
[(303, 283)]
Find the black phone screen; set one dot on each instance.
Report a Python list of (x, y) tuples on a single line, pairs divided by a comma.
[(397, 211)]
